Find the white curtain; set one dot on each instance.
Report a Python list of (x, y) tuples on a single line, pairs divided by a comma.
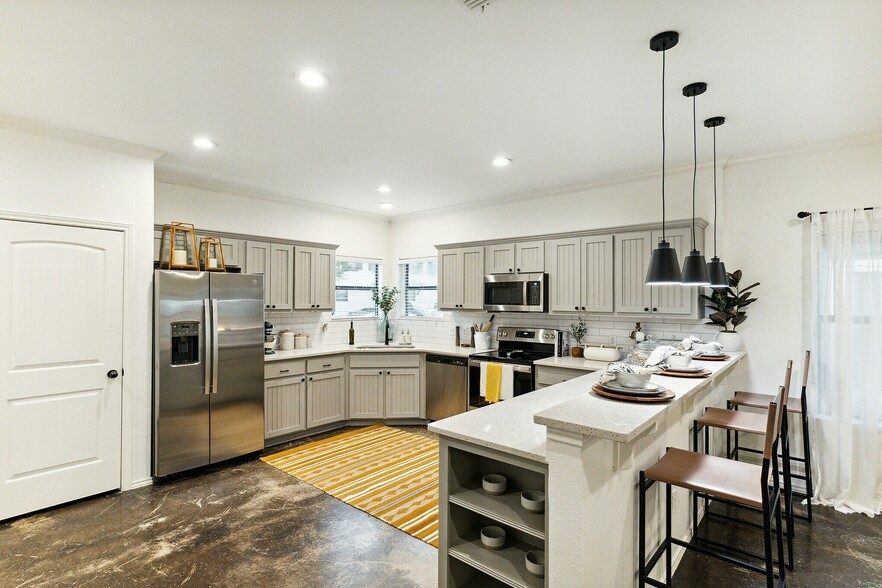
[(845, 402)]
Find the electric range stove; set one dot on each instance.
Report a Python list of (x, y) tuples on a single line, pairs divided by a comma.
[(521, 346)]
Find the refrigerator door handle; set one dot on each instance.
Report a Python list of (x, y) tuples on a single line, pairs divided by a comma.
[(208, 338), (214, 345)]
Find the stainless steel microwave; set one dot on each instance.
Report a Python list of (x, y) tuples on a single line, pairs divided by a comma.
[(516, 292)]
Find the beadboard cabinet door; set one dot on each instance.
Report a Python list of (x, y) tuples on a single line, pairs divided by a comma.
[(314, 278), (499, 259), (366, 393), (258, 256), (597, 274), (325, 399), (564, 265), (284, 406), (632, 251), (402, 393), (461, 279), (530, 257), (282, 277)]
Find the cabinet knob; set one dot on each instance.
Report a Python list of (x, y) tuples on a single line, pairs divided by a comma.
[(646, 309), (274, 305), (654, 310), (575, 308), (310, 379), (380, 372), (267, 305), (302, 379), (388, 373), (509, 270), (583, 308), (112, 374), (519, 269)]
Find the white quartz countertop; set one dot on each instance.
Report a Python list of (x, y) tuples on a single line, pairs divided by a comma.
[(518, 426), (439, 349), (572, 363), (596, 416)]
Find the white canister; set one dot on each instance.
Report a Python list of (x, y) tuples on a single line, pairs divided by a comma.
[(286, 340), (482, 341), (299, 341)]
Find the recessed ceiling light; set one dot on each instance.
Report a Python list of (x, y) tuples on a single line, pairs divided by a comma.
[(501, 161), (384, 189), (312, 78), (204, 143), (387, 205)]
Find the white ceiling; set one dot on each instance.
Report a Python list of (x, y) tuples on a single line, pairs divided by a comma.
[(423, 93)]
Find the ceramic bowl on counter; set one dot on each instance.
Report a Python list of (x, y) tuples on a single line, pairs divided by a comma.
[(636, 381), (494, 483), (493, 537), (679, 360), (602, 353)]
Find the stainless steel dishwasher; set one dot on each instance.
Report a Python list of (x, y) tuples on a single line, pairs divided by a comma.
[(446, 386)]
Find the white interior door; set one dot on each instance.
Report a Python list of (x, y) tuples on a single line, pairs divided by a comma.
[(60, 410)]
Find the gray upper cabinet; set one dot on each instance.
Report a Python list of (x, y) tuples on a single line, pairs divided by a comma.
[(632, 296), (510, 258), (597, 274), (581, 274), (314, 278), (282, 277), (461, 279), (564, 266), (258, 256), (499, 259)]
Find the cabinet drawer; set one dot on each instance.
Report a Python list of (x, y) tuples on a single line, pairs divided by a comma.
[(551, 376), (284, 368), (324, 364), (384, 360)]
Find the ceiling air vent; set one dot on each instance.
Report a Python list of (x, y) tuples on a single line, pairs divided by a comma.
[(475, 5)]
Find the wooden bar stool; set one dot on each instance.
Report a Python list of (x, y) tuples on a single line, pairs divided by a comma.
[(797, 406), (719, 478), (754, 424)]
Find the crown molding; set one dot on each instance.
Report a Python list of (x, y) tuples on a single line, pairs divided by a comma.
[(166, 175), (33, 127), (838, 144)]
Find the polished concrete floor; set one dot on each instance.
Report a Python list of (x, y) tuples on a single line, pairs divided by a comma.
[(249, 524)]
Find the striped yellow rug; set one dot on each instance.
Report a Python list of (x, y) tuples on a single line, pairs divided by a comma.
[(387, 473)]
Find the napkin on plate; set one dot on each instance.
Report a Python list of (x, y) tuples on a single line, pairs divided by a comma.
[(619, 366), (688, 341)]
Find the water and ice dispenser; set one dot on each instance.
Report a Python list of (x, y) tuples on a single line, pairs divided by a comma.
[(185, 343)]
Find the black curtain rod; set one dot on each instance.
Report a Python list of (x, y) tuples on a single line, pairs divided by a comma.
[(804, 214)]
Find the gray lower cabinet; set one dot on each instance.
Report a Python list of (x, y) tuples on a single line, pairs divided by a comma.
[(376, 393), (284, 406), (325, 398), (366, 393), (402, 397)]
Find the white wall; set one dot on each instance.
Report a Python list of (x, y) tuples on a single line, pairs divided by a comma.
[(357, 235), (758, 232), (50, 177)]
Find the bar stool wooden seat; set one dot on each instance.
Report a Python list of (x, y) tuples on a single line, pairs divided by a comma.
[(733, 421), (796, 406), (719, 478)]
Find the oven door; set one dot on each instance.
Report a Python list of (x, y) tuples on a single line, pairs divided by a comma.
[(515, 293), (522, 384)]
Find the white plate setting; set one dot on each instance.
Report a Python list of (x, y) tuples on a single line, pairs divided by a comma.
[(649, 389)]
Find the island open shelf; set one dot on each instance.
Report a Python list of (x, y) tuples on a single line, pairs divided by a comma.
[(466, 508)]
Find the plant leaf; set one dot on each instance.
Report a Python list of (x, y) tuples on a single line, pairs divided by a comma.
[(752, 286)]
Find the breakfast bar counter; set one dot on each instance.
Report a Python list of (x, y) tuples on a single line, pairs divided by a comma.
[(591, 450)]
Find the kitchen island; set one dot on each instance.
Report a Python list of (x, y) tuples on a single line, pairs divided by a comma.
[(587, 451)]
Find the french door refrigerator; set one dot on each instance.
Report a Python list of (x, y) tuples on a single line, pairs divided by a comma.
[(208, 368)]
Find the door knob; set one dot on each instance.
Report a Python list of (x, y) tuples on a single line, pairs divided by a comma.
[(112, 374)]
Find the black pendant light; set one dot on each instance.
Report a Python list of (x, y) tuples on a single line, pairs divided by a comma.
[(716, 269), (664, 268), (694, 266)]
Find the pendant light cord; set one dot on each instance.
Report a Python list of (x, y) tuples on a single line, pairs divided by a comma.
[(715, 191), (664, 237), (694, 169)]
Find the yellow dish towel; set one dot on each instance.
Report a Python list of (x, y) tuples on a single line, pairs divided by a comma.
[(494, 382)]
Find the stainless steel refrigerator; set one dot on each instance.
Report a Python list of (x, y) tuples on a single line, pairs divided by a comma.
[(208, 368)]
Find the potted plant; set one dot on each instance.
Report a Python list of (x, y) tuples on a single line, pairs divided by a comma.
[(729, 304), (578, 330), (385, 300)]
